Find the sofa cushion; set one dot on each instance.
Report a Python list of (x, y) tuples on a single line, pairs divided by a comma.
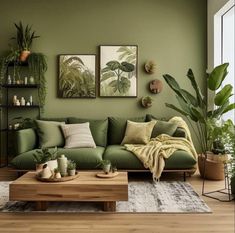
[(60, 119), (50, 133), (124, 159), (78, 136), (99, 129), (138, 132), (161, 127), (85, 158), (117, 128)]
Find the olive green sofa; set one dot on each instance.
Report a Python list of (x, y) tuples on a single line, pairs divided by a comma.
[(107, 134)]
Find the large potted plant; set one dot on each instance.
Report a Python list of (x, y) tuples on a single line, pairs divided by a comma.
[(194, 107), (24, 38)]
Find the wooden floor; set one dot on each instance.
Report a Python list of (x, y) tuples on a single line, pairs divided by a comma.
[(221, 220)]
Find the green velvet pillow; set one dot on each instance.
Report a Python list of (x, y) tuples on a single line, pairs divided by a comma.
[(117, 128), (49, 133), (163, 127), (99, 129)]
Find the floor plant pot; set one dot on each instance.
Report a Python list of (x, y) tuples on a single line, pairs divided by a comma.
[(24, 55), (214, 168)]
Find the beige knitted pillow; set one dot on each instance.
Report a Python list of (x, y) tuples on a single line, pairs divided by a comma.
[(138, 132)]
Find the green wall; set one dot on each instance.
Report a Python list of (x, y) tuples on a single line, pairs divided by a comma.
[(170, 32)]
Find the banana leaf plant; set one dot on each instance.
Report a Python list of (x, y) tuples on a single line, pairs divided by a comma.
[(194, 107)]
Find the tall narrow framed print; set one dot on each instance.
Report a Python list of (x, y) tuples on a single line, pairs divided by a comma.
[(77, 76), (118, 71)]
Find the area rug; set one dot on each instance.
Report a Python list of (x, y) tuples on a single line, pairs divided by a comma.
[(144, 197)]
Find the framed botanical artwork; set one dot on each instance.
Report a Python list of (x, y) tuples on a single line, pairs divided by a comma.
[(77, 76), (118, 71)]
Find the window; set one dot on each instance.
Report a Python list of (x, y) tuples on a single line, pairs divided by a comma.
[(225, 45)]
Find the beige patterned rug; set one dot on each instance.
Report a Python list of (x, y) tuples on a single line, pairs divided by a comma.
[(147, 197)]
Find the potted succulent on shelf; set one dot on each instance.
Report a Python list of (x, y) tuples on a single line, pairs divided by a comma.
[(105, 165), (71, 167), (24, 38)]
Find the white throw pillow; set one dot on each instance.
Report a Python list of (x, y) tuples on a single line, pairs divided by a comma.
[(78, 135)]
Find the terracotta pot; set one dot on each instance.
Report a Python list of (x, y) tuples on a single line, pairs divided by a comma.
[(214, 168), (24, 55)]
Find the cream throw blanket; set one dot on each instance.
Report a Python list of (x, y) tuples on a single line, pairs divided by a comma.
[(154, 153)]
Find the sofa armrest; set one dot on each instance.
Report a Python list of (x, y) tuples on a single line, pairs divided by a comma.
[(25, 140), (179, 132)]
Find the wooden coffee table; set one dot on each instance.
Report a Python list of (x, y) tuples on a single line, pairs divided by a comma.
[(87, 187)]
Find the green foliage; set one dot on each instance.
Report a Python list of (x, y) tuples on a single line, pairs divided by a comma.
[(25, 123), (71, 165), (75, 80), (104, 162), (44, 155), (195, 107), (24, 36)]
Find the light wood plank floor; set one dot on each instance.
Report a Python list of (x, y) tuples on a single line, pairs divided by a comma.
[(221, 220)]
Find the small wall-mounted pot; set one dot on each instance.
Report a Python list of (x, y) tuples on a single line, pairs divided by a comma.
[(155, 86)]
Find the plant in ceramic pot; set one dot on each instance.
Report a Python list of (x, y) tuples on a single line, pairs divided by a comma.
[(71, 167), (40, 158), (52, 162), (194, 107), (106, 166), (146, 101), (24, 38)]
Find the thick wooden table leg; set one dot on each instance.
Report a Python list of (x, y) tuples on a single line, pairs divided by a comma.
[(41, 205), (110, 206)]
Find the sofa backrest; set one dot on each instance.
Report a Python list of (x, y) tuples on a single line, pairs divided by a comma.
[(117, 128)]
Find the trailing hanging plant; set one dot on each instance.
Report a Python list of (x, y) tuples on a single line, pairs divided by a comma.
[(38, 67)]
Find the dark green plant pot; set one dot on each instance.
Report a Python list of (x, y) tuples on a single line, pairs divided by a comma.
[(233, 184)]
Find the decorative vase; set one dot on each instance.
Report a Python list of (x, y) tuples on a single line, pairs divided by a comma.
[(62, 165), (214, 169), (24, 55), (57, 175), (106, 168), (72, 172), (52, 164), (46, 172)]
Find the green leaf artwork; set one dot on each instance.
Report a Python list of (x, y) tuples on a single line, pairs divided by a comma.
[(118, 74), (77, 76)]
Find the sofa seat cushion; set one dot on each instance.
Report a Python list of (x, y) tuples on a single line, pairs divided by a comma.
[(123, 159), (85, 158)]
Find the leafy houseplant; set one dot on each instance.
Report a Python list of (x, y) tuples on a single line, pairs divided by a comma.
[(24, 38), (71, 168), (194, 108), (106, 165)]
